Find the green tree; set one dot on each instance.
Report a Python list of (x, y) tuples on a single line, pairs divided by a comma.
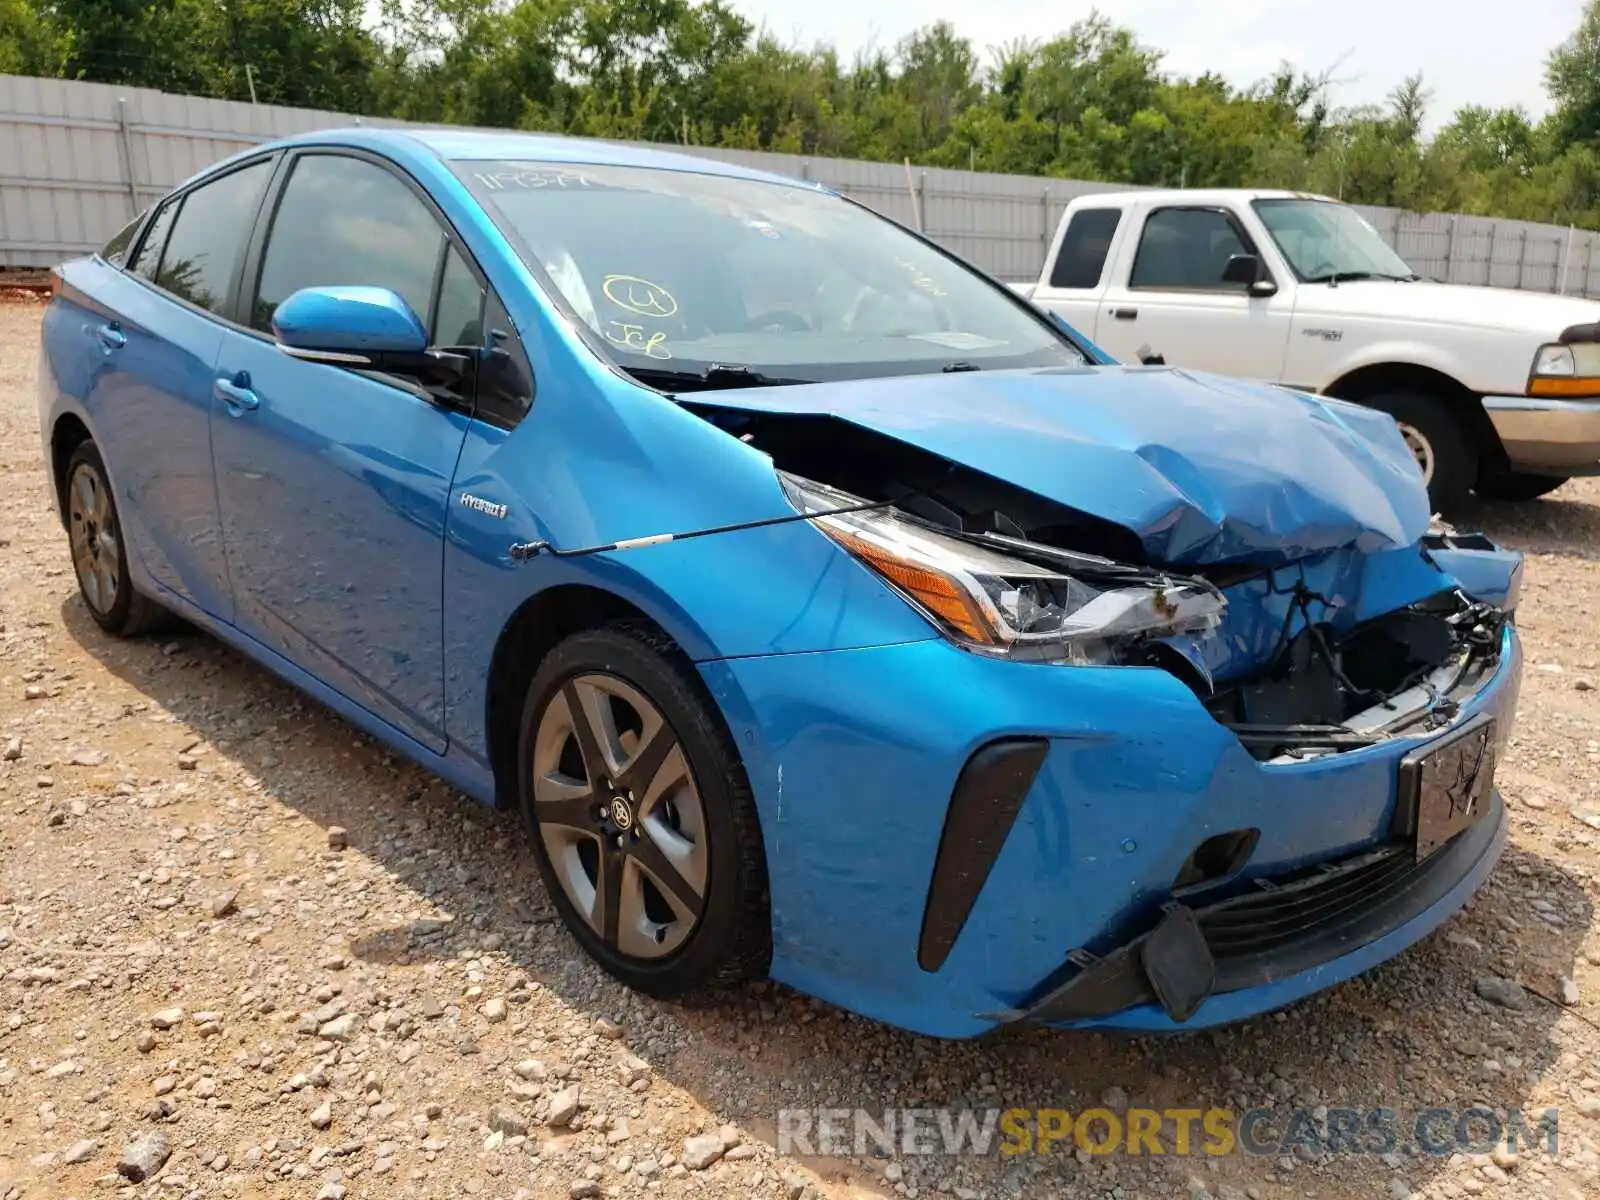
[(1089, 103), (31, 43), (1572, 76)]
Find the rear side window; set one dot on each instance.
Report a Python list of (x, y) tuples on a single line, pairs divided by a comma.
[(208, 238), (342, 221), (115, 251), (1084, 247), (1186, 249), (148, 257)]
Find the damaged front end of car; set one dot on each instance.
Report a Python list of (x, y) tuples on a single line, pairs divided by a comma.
[(1348, 646), (1330, 680)]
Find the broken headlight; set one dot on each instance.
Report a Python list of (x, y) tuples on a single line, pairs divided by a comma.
[(991, 600)]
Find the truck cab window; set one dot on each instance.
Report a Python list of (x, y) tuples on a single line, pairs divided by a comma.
[(1186, 249), (1082, 257)]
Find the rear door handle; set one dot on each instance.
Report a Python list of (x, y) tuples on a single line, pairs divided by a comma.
[(111, 336), (235, 393), (1125, 314)]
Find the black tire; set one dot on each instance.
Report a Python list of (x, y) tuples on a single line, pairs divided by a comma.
[(731, 939), (1518, 485), (108, 592), (1445, 426)]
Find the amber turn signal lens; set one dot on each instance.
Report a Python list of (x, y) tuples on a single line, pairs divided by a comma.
[(936, 592), (1569, 386)]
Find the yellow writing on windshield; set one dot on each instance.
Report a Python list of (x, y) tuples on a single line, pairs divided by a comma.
[(639, 296), (636, 337)]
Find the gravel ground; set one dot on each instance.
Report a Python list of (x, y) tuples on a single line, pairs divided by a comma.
[(234, 930)]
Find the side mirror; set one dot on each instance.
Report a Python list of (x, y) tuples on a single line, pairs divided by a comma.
[(1248, 271), (336, 324), (364, 327)]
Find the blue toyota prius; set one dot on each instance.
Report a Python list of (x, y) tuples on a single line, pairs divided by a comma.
[(828, 612)]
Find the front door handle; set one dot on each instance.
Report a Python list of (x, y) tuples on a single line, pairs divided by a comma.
[(1125, 314), (235, 393), (111, 336)]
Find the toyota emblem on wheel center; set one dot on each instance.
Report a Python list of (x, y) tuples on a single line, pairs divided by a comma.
[(621, 814)]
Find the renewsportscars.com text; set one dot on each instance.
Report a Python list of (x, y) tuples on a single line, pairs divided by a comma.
[(1164, 1131)]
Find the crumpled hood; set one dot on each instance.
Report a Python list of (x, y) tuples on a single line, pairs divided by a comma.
[(1202, 468)]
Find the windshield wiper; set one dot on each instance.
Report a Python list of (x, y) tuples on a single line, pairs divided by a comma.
[(1337, 277), (961, 365), (716, 377)]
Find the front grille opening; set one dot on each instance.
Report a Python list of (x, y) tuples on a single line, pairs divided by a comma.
[(1317, 900), (1320, 691), (1217, 858)]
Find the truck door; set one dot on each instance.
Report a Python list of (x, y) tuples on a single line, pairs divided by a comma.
[(1169, 296)]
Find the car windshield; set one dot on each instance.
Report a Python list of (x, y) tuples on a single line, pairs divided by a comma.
[(1327, 242), (680, 272)]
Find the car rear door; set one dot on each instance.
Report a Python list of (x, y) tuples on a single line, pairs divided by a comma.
[(1170, 297), (152, 332), (333, 482)]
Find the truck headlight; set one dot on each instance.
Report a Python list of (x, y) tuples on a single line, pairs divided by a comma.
[(994, 602), (1561, 369)]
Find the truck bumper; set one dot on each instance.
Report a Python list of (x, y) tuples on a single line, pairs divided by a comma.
[(1548, 437)]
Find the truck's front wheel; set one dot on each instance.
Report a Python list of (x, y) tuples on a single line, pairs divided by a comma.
[(1439, 438)]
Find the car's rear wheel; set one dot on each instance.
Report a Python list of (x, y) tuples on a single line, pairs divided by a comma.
[(642, 820), (99, 555), (1439, 438), (1518, 485)]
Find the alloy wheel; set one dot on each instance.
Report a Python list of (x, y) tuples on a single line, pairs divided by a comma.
[(620, 815), (95, 540)]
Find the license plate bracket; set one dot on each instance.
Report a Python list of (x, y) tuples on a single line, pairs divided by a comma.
[(1447, 785)]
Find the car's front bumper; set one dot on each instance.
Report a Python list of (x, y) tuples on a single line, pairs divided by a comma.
[(1547, 436), (854, 756), (1273, 945)]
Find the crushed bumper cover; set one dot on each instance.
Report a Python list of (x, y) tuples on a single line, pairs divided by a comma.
[(1547, 436), (1276, 930), (1137, 772)]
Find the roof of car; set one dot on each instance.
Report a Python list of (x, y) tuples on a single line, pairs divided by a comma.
[(1196, 195), (506, 146)]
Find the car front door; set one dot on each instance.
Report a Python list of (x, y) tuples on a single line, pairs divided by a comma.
[(156, 337), (333, 482), (1175, 302)]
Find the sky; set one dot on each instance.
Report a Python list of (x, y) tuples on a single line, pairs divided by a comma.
[(1469, 51)]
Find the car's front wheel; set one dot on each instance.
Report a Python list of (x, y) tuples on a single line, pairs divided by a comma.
[(99, 554), (642, 820)]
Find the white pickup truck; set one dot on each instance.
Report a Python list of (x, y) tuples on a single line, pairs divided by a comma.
[(1496, 391)]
